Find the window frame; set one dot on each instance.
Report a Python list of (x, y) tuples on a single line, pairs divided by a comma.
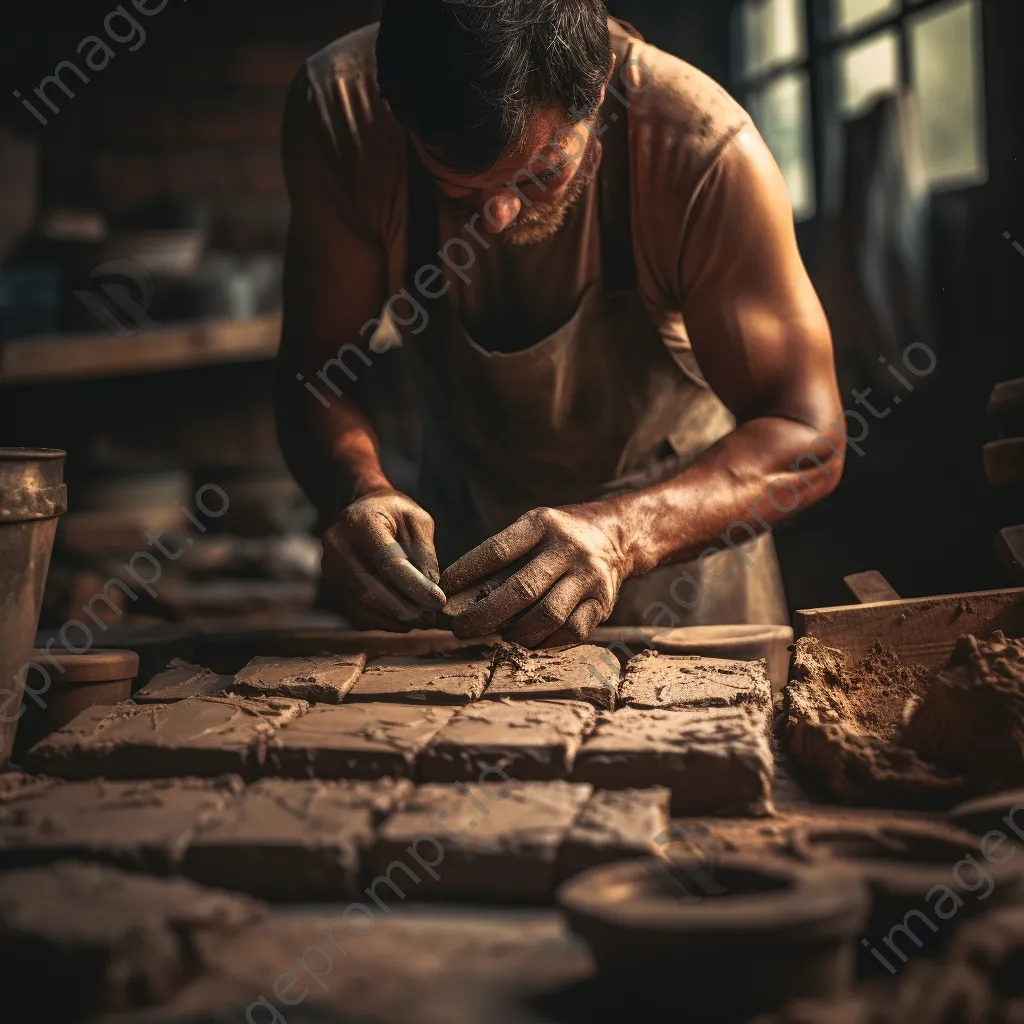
[(823, 45)]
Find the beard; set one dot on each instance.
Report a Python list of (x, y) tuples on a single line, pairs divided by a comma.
[(542, 220)]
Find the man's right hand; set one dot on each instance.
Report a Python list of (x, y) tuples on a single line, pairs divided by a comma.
[(379, 563)]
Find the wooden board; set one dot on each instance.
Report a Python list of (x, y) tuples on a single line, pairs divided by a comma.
[(90, 356), (922, 630)]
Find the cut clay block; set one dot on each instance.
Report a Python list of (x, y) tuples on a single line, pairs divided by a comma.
[(497, 842), (325, 679), (583, 672), (526, 739), (181, 680), (80, 939), (456, 680), (141, 825), (653, 680), (355, 741), (616, 824), (715, 760), (205, 736), (283, 839)]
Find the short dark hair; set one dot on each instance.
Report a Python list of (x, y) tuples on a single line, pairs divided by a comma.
[(466, 76)]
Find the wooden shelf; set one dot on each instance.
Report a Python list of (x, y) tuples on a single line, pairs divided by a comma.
[(91, 356)]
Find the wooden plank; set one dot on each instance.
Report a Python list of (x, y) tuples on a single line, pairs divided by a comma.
[(91, 356), (922, 630), (1010, 548), (1004, 460), (870, 587)]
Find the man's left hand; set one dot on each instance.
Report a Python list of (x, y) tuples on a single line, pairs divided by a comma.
[(570, 583)]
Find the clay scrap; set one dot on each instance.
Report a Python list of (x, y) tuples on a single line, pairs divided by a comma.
[(325, 679), (140, 825), (286, 840), (616, 825), (179, 681), (714, 760), (582, 672), (204, 736), (528, 739), (971, 718), (498, 841), (77, 939), (455, 680), (843, 728), (355, 741), (653, 680)]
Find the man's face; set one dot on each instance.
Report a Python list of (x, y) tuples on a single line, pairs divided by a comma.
[(526, 196)]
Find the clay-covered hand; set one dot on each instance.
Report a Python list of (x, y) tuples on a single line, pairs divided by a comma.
[(574, 561), (379, 562)]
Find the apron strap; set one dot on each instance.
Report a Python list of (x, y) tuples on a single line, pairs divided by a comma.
[(618, 263)]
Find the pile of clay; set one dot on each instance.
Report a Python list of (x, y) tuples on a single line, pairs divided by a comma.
[(884, 733)]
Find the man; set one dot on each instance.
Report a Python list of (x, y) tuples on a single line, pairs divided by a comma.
[(583, 255)]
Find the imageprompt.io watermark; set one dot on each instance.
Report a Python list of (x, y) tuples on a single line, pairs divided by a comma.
[(121, 299)]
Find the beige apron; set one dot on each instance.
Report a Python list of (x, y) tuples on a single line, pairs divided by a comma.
[(601, 405)]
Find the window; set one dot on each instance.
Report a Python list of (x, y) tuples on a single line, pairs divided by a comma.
[(804, 64)]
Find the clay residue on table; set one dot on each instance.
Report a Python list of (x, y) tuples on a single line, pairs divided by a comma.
[(886, 733), (972, 717)]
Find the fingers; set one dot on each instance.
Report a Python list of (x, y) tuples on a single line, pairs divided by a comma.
[(519, 591), (421, 549), (550, 614), (487, 558), (362, 590), (579, 625), (381, 545)]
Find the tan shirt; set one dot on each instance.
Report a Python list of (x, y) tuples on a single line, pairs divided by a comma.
[(691, 174)]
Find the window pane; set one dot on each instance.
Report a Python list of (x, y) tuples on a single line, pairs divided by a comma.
[(867, 71), (774, 33), (945, 58), (782, 113), (850, 15)]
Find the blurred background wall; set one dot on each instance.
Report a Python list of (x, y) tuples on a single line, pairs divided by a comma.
[(896, 124)]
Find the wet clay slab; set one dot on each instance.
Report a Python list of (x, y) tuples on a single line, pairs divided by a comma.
[(179, 681), (326, 679), (653, 680), (204, 736), (141, 825), (498, 841), (616, 824), (526, 739), (583, 672), (714, 760), (76, 939), (422, 680), (283, 839), (355, 741)]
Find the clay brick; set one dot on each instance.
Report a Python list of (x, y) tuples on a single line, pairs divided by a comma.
[(422, 680), (179, 681), (355, 741), (715, 760), (106, 940), (140, 825), (497, 842), (616, 825), (286, 840), (528, 739), (653, 680), (325, 679), (203, 736), (582, 672)]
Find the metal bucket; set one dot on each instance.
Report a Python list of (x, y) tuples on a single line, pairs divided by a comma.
[(32, 496)]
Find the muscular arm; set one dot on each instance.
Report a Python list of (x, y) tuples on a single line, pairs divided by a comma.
[(764, 346), (379, 555)]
